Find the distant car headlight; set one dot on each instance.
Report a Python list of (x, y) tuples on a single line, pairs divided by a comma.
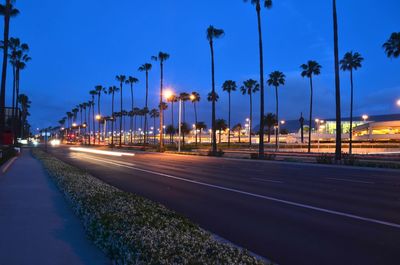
[(55, 142)]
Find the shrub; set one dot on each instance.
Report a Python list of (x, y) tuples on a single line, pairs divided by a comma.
[(219, 153), (349, 160), (325, 159), (134, 230)]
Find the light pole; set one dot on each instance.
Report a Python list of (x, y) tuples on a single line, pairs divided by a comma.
[(365, 118), (319, 126), (278, 133)]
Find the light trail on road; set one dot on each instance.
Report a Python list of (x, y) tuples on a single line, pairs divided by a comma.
[(100, 152)]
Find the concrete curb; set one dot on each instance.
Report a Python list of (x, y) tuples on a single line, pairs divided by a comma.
[(8, 164)]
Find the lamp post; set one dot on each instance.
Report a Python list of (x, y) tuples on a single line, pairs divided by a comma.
[(319, 126), (278, 129), (365, 118), (180, 125)]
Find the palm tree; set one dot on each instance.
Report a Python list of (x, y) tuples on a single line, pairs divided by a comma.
[(8, 11), (392, 45), (351, 62), (195, 98), (99, 89), (25, 105), (184, 97), (212, 96), (213, 33), (338, 153), (121, 79), (136, 112), (184, 130), (201, 126), (170, 130), (249, 87), (276, 79), (146, 68), (75, 112), (161, 57), (221, 126), (269, 121), (131, 81), (154, 114), (172, 99), (229, 86), (238, 128), (310, 69), (268, 5), (111, 91), (93, 94)]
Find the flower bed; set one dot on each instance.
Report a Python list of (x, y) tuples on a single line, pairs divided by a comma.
[(134, 230)]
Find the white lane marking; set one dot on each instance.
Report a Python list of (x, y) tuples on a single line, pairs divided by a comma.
[(268, 180), (268, 198), (350, 180)]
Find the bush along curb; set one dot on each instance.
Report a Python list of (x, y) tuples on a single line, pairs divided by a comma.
[(134, 230)]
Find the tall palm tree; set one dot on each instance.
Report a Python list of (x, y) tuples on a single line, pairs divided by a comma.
[(195, 98), (99, 89), (310, 69), (84, 107), (250, 87), (111, 91), (170, 130), (338, 152), (212, 34), (131, 81), (146, 68), (276, 79), (392, 45), (351, 62), (154, 114), (162, 57), (121, 79), (238, 128), (8, 11), (268, 5), (136, 113), (93, 94), (229, 86), (269, 121)]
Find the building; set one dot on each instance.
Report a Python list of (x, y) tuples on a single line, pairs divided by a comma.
[(378, 131)]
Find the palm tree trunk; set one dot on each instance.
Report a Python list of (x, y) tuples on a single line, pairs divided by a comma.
[(13, 111), (338, 151), (229, 121), (94, 123), (86, 125), (99, 110), (131, 117), (251, 117), (261, 144), (17, 78), (220, 132), (214, 132), (195, 120), (120, 121), (277, 119), (112, 121), (145, 115), (351, 112), (161, 109), (172, 119), (154, 131), (4, 69), (310, 121), (269, 134), (90, 108)]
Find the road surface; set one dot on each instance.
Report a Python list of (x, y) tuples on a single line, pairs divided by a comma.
[(289, 213)]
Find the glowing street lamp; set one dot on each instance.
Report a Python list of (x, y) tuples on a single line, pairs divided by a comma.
[(98, 117), (398, 102), (365, 117), (74, 124), (168, 94), (192, 97)]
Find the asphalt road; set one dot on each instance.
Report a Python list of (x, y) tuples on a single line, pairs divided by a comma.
[(289, 213)]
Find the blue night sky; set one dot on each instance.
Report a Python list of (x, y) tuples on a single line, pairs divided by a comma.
[(77, 44)]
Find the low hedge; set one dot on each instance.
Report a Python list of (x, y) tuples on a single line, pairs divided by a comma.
[(134, 230)]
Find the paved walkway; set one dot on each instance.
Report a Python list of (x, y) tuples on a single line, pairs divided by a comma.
[(37, 226)]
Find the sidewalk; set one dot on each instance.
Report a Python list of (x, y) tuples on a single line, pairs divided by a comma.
[(37, 226)]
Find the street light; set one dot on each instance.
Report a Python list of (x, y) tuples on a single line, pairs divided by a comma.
[(365, 117), (168, 94), (398, 102), (98, 117)]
